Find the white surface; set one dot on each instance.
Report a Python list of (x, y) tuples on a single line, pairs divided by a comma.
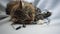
[(53, 28)]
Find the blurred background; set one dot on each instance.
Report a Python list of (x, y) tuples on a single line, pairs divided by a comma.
[(53, 28)]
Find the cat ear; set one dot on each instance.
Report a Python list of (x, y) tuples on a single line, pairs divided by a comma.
[(20, 4), (30, 3)]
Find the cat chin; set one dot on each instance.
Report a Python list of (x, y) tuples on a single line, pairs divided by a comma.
[(40, 22)]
